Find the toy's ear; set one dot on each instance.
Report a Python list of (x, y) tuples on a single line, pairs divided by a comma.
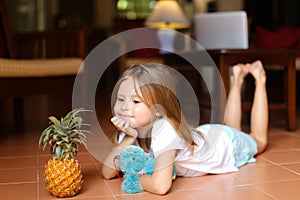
[(150, 156)]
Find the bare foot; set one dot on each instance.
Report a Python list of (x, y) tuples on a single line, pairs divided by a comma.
[(240, 71), (257, 70)]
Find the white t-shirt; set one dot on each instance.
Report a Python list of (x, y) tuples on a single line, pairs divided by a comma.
[(213, 155)]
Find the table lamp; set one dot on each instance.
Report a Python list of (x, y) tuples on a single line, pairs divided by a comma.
[(167, 16)]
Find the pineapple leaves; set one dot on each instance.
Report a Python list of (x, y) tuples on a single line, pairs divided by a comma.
[(58, 152), (54, 121), (65, 134)]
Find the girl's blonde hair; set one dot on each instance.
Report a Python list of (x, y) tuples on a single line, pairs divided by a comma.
[(158, 90)]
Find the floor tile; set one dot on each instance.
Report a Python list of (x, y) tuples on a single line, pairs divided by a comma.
[(17, 151), (24, 191), (20, 175), (245, 192), (178, 195), (282, 157), (207, 181), (94, 185), (265, 174), (285, 190), (115, 186), (275, 147), (290, 140), (18, 162), (90, 188), (293, 167)]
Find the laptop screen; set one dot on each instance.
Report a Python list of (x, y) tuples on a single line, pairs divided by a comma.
[(222, 30)]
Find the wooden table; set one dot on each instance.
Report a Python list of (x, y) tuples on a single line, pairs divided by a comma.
[(224, 59)]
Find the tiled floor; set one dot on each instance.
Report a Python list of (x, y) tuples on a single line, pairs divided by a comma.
[(275, 175)]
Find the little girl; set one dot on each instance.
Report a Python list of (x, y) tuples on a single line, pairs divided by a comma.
[(147, 113)]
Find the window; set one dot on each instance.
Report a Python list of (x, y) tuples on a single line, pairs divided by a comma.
[(134, 9)]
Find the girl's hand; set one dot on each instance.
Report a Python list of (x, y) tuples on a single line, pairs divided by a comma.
[(124, 126)]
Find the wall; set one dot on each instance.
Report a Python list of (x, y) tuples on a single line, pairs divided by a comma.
[(230, 5), (103, 14), (222, 5)]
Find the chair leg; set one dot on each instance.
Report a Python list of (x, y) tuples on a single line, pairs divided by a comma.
[(18, 113)]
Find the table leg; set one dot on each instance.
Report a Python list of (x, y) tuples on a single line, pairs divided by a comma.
[(223, 85), (290, 94)]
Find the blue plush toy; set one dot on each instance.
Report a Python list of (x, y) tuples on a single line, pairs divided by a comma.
[(134, 162)]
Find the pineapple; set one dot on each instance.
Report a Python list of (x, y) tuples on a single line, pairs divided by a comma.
[(63, 175)]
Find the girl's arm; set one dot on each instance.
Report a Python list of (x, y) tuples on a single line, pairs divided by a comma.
[(160, 181), (108, 169)]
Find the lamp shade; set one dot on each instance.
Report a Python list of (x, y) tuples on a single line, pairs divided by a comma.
[(167, 14)]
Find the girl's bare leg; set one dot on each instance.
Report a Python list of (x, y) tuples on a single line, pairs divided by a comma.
[(259, 113), (233, 109)]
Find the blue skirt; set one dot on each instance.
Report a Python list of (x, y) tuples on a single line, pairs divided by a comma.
[(244, 145)]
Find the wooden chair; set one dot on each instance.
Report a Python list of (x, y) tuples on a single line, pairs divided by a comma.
[(38, 62), (224, 59)]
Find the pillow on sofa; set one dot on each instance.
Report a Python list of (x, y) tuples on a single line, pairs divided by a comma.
[(282, 37)]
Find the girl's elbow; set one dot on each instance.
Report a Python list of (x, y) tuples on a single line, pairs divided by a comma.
[(162, 191), (106, 176), (161, 188), (107, 173)]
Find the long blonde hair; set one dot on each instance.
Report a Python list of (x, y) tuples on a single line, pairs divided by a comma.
[(158, 89)]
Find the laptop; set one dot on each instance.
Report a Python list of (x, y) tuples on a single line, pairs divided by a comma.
[(222, 30)]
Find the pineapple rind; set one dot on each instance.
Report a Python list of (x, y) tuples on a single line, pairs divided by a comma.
[(63, 177)]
